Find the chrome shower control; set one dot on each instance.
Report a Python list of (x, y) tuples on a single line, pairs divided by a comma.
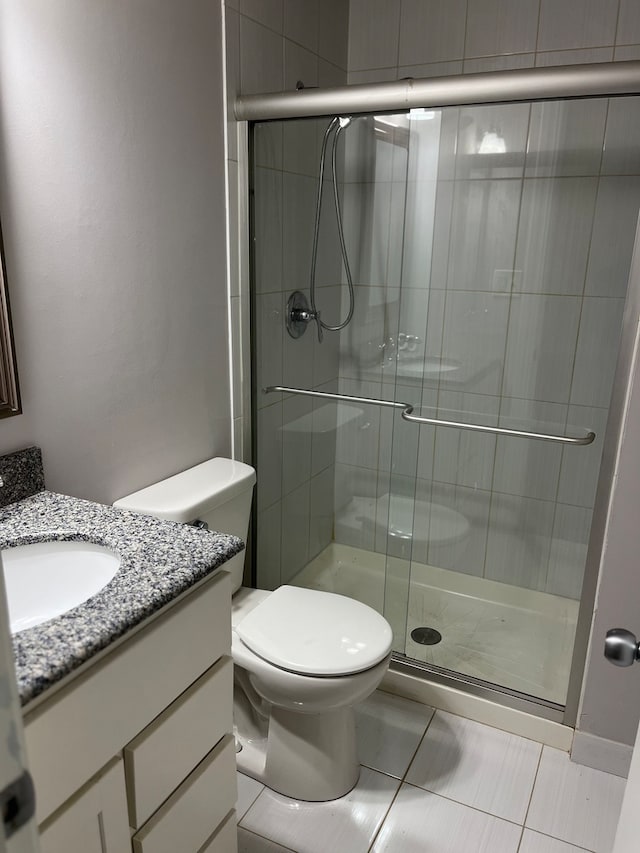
[(300, 314), (621, 647)]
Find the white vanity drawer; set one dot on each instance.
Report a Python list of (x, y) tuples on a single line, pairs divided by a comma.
[(225, 838), (164, 754), (86, 722), (186, 821)]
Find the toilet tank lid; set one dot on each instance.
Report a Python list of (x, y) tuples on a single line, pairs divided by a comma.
[(191, 494)]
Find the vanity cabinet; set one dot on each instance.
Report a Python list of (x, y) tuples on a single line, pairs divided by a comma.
[(95, 818), (136, 753)]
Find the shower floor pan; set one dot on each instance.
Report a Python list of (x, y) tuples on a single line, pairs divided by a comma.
[(517, 638)]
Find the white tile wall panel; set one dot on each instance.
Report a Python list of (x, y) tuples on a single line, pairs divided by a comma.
[(501, 26), (431, 29), (554, 235), (576, 23)]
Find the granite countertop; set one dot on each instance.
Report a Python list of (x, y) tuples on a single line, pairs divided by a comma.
[(159, 560)]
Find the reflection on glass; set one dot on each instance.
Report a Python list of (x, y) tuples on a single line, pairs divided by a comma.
[(490, 256)]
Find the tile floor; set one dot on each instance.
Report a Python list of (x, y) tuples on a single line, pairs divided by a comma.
[(432, 782)]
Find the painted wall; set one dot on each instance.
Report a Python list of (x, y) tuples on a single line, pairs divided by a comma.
[(113, 211), (610, 701)]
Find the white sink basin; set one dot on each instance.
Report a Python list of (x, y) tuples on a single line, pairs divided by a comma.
[(46, 579)]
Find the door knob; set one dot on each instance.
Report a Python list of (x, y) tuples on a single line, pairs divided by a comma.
[(621, 647)]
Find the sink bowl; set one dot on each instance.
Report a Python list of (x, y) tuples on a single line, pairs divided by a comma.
[(46, 579)]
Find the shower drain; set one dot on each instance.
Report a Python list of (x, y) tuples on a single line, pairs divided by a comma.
[(426, 636)]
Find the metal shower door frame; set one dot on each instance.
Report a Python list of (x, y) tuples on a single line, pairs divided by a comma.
[(612, 79)]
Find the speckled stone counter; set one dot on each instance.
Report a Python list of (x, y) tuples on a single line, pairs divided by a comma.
[(159, 560)]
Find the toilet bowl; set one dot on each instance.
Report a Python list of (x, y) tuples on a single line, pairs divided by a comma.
[(302, 658), (306, 689)]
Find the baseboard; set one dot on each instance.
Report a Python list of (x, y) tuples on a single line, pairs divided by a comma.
[(476, 708), (601, 754)]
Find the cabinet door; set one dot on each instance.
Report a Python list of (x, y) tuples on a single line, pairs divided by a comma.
[(94, 820), (185, 822), (225, 838)]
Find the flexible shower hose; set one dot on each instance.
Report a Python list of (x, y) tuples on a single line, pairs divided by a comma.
[(337, 124)]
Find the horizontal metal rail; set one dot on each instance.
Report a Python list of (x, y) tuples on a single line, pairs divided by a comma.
[(407, 414), (595, 80), (342, 398)]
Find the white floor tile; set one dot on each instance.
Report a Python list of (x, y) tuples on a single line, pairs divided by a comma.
[(575, 803), (476, 765), (348, 824), (249, 842), (420, 822), (248, 792), (533, 842), (389, 729)]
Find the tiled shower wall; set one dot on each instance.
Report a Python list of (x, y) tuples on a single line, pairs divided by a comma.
[(514, 272), (271, 46), (529, 504), (392, 39)]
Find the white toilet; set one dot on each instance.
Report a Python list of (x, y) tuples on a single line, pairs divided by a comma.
[(303, 658)]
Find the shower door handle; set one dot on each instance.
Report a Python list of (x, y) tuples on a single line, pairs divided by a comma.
[(621, 647), (407, 415)]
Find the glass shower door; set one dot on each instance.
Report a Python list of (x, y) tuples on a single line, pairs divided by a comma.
[(490, 249), (510, 307)]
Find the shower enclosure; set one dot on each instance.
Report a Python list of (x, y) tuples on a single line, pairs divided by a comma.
[(444, 467)]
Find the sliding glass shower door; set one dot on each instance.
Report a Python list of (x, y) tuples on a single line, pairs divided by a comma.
[(489, 248)]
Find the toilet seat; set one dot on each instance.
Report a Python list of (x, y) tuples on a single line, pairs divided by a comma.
[(310, 632)]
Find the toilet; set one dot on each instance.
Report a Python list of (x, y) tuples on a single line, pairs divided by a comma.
[(302, 658)]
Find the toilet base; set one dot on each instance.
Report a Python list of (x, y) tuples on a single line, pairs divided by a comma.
[(305, 756)]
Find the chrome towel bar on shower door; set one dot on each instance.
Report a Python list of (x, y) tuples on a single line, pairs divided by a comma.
[(407, 414)]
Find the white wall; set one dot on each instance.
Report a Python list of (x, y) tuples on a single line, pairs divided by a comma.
[(610, 699), (113, 212)]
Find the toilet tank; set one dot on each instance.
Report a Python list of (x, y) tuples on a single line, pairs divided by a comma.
[(217, 492)]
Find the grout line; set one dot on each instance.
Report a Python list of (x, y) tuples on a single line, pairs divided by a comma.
[(420, 742), (615, 31), (535, 779), (464, 35), (535, 46), (553, 837), (526, 814), (459, 485), (464, 805), (256, 798), (265, 838), (386, 814), (398, 32), (559, 176)]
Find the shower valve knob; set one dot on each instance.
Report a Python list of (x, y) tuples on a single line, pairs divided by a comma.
[(300, 314), (621, 647)]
